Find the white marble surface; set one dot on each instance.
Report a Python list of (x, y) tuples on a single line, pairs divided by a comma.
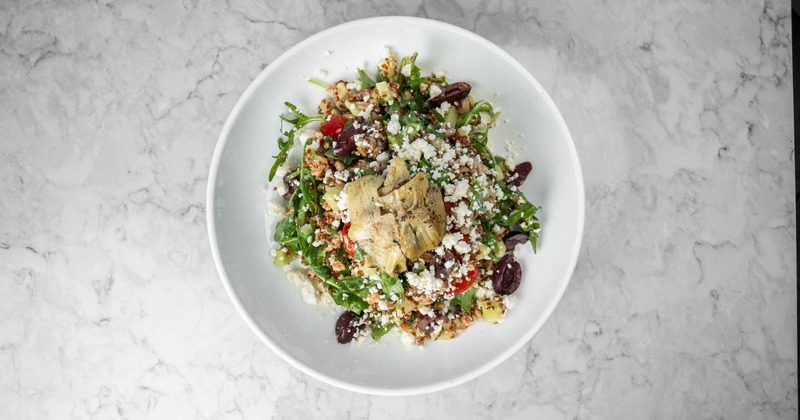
[(683, 304)]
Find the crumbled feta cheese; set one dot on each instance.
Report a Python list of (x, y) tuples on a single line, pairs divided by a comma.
[(462, 247), (386, 52), (393, 127), (306, 134), (461, 189), (281, 186), (435, 91), (461, 213), (383, 157), (406, 70), (424, 148), (366, 113), (310, 290), (322, 73), (341, 199), (483, 292), (450, 240), (282, 170), (408, 339), (274, 208), (442, 109), (439, 73), (425, 281)]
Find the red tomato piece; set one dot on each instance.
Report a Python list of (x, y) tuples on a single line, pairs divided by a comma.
[(349, 244), (333, 126), (462, 284)]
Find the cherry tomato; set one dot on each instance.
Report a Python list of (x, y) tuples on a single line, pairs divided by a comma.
[(349, 245), (465, 282), (332, 127)]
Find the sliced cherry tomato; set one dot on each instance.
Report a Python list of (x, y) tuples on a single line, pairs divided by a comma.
[(349, 244), (333, 126), (465, 282)]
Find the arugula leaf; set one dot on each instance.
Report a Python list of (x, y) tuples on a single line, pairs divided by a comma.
[(300, 119), (286, 144), (392, 286), (366, 81), (466, 299), (480, 106), (381, 330)]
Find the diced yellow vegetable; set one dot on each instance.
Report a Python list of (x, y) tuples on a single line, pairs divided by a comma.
[(408, 306), (368, 271), (341, 91), (330, 195), (483, 252), (452, 116), (491, 311), (351, 107), (283, 257), (384, 91)]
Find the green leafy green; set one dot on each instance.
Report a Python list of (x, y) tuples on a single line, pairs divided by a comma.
[(392, 286), (366, 81), (359, 255), (349, 292), (381, 330), (346, 159), (466, 299)]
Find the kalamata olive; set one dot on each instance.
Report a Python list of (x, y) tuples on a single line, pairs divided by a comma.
[(440, 265), (507, 275), (291, 186), (346, 143), (520, 174), (347, 326), (513, 239), (452, 93), (426, 323)]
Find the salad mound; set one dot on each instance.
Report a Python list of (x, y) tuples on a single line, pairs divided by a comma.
[(397, 211)]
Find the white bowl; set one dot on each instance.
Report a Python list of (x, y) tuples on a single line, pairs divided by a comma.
[(304, 335)]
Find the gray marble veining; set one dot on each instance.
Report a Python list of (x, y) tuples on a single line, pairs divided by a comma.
[(683, 303)]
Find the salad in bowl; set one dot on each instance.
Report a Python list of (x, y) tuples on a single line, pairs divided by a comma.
[(396, 210)]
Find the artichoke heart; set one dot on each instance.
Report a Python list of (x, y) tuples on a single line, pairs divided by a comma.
[(392, 222)]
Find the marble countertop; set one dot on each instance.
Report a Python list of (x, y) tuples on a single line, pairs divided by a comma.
[(683, 303)]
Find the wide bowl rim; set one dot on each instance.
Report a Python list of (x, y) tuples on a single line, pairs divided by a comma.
[(212, 232)]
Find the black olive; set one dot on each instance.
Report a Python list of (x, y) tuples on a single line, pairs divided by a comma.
[(507, 275), (347, 326), (520, 174)]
